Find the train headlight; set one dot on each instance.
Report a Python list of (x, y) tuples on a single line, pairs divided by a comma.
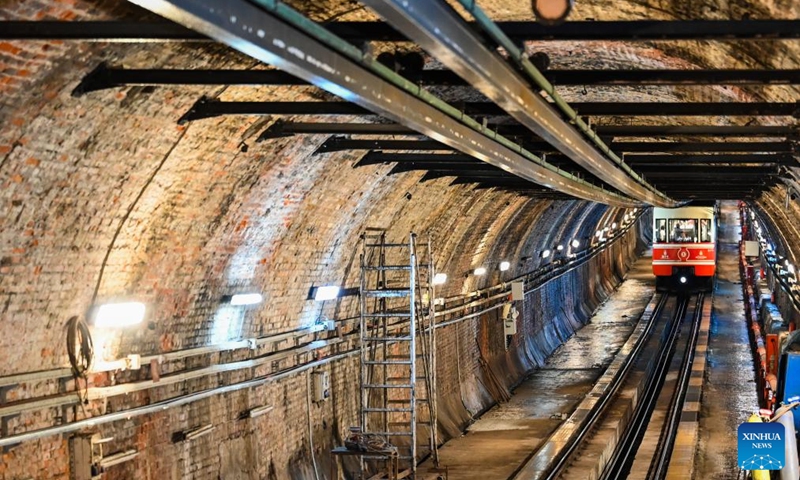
[(683, 279)]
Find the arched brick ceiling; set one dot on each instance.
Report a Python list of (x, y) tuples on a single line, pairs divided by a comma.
[(105, 196)]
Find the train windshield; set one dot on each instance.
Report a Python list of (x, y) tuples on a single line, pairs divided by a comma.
[(683, 230)]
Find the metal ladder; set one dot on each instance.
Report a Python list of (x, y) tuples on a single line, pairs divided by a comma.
[(397, 334)]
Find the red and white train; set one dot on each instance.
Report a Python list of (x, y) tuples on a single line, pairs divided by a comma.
[(684, 247)]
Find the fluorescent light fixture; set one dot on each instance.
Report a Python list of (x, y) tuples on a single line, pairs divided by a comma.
[(258, 411), (504, 266), (480, 271), (198, 432), (545, 253), (117, 458), (439, 278), (328, 292), (576, 243), (113, 315), (246, 299), (560, 248)]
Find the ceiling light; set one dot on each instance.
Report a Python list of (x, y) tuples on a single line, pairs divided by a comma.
[(328, 292), (504, 266), (439, 278), (246, 299), (576, 243), (551, 12), (480, 271), (113, 315)]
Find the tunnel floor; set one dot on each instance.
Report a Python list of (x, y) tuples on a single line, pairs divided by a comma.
[(498, 443), (729, 395)]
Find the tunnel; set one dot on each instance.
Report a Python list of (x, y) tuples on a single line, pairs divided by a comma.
[(276, 239)]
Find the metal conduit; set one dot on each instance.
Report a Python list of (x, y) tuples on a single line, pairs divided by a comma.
[(443, 33), (305, 49)]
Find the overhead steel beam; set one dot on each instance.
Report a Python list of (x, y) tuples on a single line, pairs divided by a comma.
[(637, 30), (206, 108), (283, 128), (257, 33), (104, 77), (337, 144)]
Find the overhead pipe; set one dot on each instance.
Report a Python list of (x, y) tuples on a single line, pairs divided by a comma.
[(284, 38), (436, 27)]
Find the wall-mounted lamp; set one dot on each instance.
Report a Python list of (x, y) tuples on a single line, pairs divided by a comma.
[(479, 271), (327, 292), (258, 411), (614, 226), (115, 315), (243, 299), (192, 434), (560, 248), (575, 243), (117, 458), (504, 266), (439, 278), (545, 253)]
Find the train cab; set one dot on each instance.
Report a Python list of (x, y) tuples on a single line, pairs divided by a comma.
[(684, 247)]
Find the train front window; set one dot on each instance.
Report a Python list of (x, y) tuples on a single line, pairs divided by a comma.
[(705, 230), (661, 230), (683, 229)]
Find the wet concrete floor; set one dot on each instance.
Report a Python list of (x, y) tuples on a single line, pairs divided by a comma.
[(497, 444), (729, 394)]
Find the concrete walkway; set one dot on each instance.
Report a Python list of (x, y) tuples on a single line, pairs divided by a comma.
[(729, 395)]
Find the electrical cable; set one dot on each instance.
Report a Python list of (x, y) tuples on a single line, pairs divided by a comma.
[(80, 350)]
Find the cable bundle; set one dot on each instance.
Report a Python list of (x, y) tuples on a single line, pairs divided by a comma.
[(79, 347)]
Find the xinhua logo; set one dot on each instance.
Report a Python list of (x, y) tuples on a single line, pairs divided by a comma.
[(761, 446)]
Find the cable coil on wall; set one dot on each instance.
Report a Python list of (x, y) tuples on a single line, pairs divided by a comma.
[(79, 347)]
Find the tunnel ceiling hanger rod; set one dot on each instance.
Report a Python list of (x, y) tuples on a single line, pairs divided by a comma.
[(255, 32)]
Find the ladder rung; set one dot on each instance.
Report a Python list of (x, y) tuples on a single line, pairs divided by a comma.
[(387, 385), (400, 362), (388, 293), (388, 267), (387, 339), (387, 410), (388, 315)]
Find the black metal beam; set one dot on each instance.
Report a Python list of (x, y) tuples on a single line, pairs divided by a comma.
[(337, 144), (104, 77), (206, 108), (357, 32), (283, 128)]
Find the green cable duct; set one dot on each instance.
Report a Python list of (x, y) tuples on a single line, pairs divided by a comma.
[(502, 39), (313, 29)]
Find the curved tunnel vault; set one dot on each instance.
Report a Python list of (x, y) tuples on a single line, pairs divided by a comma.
[(105, 197)]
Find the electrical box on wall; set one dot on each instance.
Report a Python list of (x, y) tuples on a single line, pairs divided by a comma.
[(321, 385), (510, 315), (517, 290)]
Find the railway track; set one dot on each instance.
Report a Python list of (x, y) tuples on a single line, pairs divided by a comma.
[(666, 350)]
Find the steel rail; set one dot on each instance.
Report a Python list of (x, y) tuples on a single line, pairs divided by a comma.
[(599, 408), (436, 27), (624, 454), (660, 464), (259, 33)]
